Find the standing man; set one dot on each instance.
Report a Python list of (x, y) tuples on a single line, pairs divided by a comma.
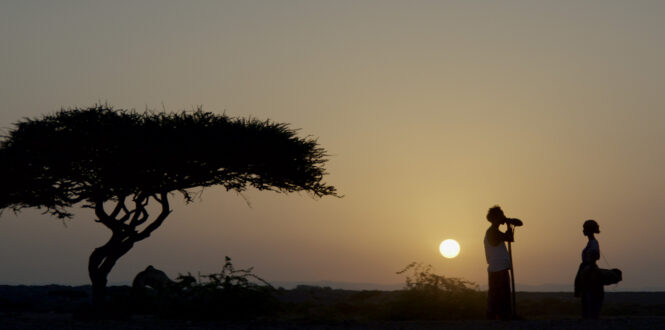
[(498, 260)]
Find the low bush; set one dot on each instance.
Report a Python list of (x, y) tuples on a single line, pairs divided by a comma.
[(429, 296), (231, 294)]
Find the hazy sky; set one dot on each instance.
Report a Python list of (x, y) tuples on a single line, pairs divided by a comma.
[(432, 112)]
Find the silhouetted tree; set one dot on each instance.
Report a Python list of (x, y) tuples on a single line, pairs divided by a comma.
[(116, 162)]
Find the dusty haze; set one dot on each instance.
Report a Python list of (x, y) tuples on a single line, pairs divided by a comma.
[(431, 111)]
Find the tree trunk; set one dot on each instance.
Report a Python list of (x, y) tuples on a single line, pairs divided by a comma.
[(98, 290), (100, 264), (125, 234)]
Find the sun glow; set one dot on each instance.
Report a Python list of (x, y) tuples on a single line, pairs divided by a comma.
[(449, 248)]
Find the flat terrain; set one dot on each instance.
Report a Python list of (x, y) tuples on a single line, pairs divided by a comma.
[(58, 307), (65, 321)]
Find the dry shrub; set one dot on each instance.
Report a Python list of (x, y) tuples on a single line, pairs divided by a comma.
[(234, 294), (429, 296)]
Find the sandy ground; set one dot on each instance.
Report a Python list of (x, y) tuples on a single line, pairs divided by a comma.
[(51, 307), (66, 321)]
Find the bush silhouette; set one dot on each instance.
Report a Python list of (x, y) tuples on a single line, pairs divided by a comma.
[(232, 294), (428, 296)]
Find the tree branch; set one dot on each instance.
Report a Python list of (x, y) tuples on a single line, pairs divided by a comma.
[(111, 223), (142, 219), (140, 216), (159, 220), (127, 215), (118, 207), (140, 213), (137, 213)]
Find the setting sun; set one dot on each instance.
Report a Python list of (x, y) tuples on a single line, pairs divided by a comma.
[(449, 248)]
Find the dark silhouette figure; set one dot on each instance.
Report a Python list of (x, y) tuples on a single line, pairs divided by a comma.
[(589, 281), (116, 162), (499, 263), (153, 278)]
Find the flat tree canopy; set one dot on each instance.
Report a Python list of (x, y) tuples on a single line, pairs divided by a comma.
[(99, 155)]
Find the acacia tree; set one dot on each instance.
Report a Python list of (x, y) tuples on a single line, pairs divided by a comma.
[(117, 162)]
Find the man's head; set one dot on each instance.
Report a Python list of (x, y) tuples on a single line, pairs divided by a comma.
[(495, 215)]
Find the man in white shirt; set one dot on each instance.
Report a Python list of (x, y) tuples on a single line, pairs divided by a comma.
[(498, 260)]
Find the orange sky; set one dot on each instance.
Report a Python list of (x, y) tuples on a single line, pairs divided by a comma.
[(432, 112)]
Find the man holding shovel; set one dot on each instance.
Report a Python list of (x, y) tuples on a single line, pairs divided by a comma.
[(499, 261)]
